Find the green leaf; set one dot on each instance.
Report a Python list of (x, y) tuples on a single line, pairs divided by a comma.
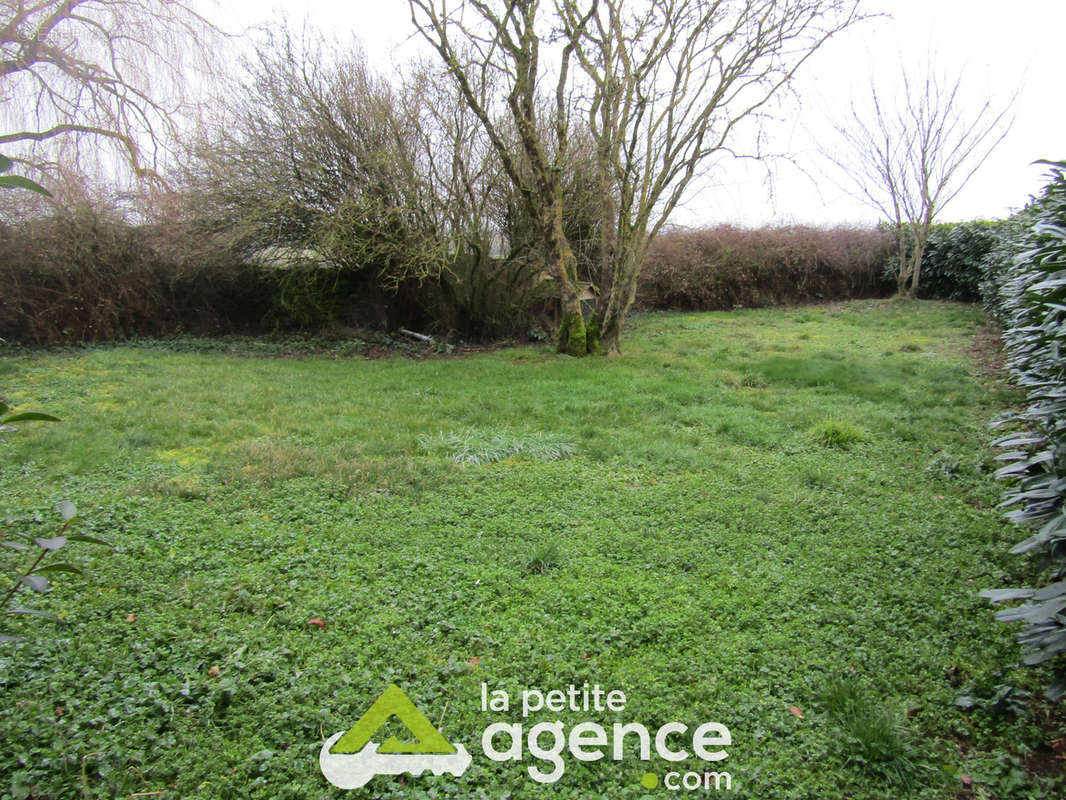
[(26, 416), (50, 568), (999, 595), (1057, 690), (5, 164), (1050, 592), (1039, 657), (51, 544), (18, 182), (36, 582), (67, 509), (1033, 613), (14, 545)]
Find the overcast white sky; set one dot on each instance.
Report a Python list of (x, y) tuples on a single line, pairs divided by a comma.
[(1004, 48)]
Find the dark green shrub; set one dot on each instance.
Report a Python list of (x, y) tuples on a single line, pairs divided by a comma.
[(482, 298), (86, 274), (997, 265), (1034, 302), (954, 262)]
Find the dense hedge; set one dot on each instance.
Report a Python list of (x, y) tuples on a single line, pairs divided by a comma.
[(80, 275), (956, 258), (1034, 308), (998, 265), (727, 267), (83, 275)]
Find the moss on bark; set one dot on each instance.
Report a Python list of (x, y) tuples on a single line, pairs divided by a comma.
[(592, 337), (572, 335)]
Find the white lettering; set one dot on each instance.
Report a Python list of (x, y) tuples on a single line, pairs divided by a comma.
[(514, 752), (556, 729), (660, 742), (587, 734)]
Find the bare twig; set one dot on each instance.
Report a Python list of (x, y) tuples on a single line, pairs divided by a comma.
[(105, 71)]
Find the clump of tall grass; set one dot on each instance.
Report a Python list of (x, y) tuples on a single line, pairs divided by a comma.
[(543, 557), (874, 737), (485, 446), (837, 434)]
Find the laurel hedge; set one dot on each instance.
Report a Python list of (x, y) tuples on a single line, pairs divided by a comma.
[(1033, 301), (956, 262)]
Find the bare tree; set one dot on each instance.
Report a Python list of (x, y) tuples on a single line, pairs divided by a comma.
[(661, 84), (909, 157), (114, 71)]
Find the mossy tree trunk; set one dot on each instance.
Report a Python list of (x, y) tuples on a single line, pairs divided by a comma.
[(573, 336), (659, 97)]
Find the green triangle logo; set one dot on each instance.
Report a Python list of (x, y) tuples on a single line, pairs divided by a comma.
[(394, 703)]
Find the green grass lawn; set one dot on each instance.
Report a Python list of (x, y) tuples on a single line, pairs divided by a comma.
[(777, 520)]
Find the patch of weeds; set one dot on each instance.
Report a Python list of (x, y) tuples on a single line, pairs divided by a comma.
[(270, 459), (727, 379), (816, 477), (178, 488), (945, 465), (136, 440), (880, 745), (874, 737), (490, 445), (389, 474), (839, 695), (910, 347), (837, 434), (754, 382), (1002, 776), (543, 557), (986, 464), (344, 345), (239, 600)]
